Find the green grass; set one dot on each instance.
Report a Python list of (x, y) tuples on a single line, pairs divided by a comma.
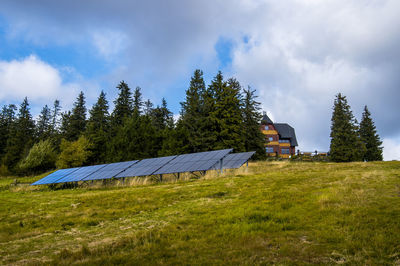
[(275, 213)]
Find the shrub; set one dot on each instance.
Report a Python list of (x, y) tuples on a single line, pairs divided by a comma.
[(41, 157), (73, 153)]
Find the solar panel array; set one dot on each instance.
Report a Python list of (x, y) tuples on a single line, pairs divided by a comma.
[(235, 160), (146, 167), (110, 170), (55, 176), (202, 161), (80, 174)]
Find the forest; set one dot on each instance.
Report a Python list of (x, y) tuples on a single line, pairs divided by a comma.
[(220, 115)]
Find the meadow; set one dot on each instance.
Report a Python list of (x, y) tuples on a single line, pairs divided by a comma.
[(268, 213)]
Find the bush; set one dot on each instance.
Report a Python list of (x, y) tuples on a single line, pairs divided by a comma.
[(73, 153), (41, 157)]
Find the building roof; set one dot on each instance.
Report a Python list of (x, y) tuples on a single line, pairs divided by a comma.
[(266, 120), (286, 132)]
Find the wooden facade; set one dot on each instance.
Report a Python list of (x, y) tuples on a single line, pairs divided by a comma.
[(280, 138)]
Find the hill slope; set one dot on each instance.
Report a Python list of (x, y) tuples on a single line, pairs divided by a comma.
[(277, 212)]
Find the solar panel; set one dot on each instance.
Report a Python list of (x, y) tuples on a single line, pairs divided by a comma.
[(235, 160), (110, 170), (53, 177), (80, 174), (201, 161), (146, 167)]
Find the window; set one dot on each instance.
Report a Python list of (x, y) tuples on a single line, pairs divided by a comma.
[(284, 141), (268, 127), (269, 149), (270, 138), (285, 151)]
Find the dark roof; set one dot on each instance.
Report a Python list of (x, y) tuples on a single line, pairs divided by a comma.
[(265, 120), (286, 132)]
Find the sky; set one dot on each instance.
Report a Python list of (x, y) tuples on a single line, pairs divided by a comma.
[(297, 55)]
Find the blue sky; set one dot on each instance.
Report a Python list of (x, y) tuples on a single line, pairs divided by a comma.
[(297, 54)]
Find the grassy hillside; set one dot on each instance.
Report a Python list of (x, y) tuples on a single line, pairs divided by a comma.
[(279, 212)]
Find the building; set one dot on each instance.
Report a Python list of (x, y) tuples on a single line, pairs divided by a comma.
[(280, 138)]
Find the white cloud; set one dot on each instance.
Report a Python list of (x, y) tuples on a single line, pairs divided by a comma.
[(391, 149), (33, 78)]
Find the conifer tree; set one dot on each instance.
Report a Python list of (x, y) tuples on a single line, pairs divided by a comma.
[(55, 113), (137, 100), (370, 138), (133, 140), (345, 142), (21, 137), (123, 105), (77, 120), (208, 121), (163, 124), (190, 125), (148, 107), (226, 116), (7, 121), (97, 131), (65, 123), (253, 138), (43, 126)]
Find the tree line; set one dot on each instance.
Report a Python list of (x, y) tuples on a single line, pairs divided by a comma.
[(350, 140), (218, 116)]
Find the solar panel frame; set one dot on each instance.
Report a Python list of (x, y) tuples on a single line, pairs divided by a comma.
[(80, 174), (235, 160), (55, 176), (193, 162), (110, 170), (146, 167)]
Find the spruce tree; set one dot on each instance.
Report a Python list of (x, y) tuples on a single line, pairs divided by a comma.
[(226, 116), (208, 123), (190, 125), (345, 143), (21, 137), (253, 138), (137, 100), (123, 105), (148, 107), (43, 125), (77, 119), (370, 138), (55, 113), (97, 131), (7, 121)]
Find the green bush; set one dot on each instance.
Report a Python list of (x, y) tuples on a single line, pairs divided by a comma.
[(73, 153), (41, 157)]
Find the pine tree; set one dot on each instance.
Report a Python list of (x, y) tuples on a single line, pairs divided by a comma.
[(123, 105), (43, 125), (370, 138), (345, 142), (21, 137), (77, 120), (253, 138), (97, 131)]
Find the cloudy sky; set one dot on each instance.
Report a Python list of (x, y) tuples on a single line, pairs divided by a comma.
[(297, 54)]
